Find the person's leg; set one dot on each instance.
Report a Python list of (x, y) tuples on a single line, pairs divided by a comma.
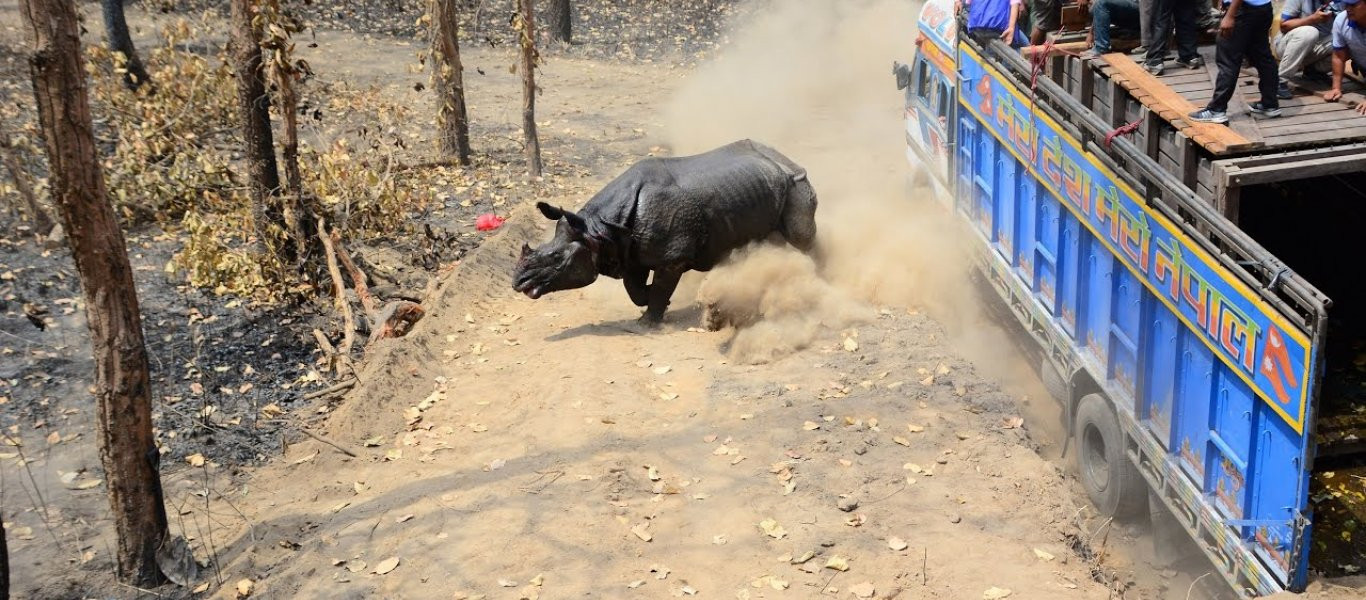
[(1187, 13), (1228, 57), (1100, 25), (1295, 49), (1161, 23), (1145, 16), (1259, 53)]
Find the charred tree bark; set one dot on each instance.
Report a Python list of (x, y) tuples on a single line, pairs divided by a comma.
[(42, 222), (448, 80), (122, 392), (558, 21), (116, 28), (254, 107), (4, 563), (529, 58)]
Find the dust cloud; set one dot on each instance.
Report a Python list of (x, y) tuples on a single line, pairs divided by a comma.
[(814, 80)]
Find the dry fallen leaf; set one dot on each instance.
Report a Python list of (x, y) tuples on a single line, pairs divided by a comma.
[(203, 587), (810, 426), (927, 381), (54, 438), (635, 584), (915, 428), (195, 460), (1045, 556), (901, 440), (995, 593), (896, 543), (386, 565), (863, 590), (305, 459), (838, 563), (245, 587), (1012, 423), (355, 566), (850, 344), (772, 529), (85, 485), (662, 370), (642, 533)]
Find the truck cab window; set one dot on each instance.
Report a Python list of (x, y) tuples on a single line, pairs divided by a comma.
[(922, 87)]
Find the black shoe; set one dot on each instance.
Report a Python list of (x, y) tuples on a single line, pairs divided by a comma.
[(1193, 63), (1283, 91), (1265, 111), (1155, 69)]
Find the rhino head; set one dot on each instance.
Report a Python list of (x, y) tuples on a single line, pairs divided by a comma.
[(566, 262)]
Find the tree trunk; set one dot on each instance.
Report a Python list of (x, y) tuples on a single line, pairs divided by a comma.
[(254, 106), (42, 222), (557, 18), (116, 28), (4, 563), (122, 392), (533, 143), (448, 80)]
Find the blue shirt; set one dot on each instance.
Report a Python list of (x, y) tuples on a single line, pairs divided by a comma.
[(1349, 36), (1250, 2), (989, 14)]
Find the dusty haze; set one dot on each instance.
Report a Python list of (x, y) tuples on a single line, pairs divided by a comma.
[(814, 80)]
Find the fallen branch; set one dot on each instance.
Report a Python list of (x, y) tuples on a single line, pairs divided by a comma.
[(328, 442), (341, 386), (357, 276), (343, 350)]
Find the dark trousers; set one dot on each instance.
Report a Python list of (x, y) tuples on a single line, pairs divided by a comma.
[(1185, 13), (1248, 39)]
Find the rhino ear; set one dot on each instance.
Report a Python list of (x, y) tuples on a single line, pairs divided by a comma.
[(551, 212)]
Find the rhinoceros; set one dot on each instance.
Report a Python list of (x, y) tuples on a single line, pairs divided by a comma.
[(669, 216)]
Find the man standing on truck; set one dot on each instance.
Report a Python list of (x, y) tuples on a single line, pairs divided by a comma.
[(1349, 42), (1181, 15), (1306, 38), (1243, 33)]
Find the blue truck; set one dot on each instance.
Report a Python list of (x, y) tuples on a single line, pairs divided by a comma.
[(1167, 273)]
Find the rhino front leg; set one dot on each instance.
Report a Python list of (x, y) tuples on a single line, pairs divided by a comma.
[(661, 289), (635, 285)]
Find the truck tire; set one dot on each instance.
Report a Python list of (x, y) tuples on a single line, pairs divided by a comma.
[(1113, 483)]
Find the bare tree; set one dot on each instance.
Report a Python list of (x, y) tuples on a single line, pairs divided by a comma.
[(122, 391), (448, 80), (254, 106), (526, 25), (557, 16), (116, 28)]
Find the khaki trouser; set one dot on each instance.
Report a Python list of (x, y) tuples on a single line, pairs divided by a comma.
[(1302, 47)]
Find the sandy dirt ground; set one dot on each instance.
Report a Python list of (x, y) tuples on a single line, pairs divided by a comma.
[(876, 436)]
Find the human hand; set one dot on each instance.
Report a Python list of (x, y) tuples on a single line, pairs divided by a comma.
[(1006, 36), (1333, 95), (1361, 108), (1226, 26)]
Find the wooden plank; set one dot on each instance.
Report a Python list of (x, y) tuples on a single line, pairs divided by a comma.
[(1188, 161), (1194, 86), (1319, 121), (1302, 169), (1345, 134), (1173, 108), (1088, 82)]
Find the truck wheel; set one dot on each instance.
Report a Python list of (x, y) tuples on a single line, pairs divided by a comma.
[(1115, 486)]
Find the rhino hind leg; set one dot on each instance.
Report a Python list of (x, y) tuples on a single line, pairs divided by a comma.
[(799, 216)]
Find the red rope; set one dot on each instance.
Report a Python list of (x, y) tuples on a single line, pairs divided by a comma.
[(1122, 130)]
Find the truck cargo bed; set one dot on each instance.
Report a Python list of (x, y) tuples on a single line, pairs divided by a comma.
[(1306, 120)]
